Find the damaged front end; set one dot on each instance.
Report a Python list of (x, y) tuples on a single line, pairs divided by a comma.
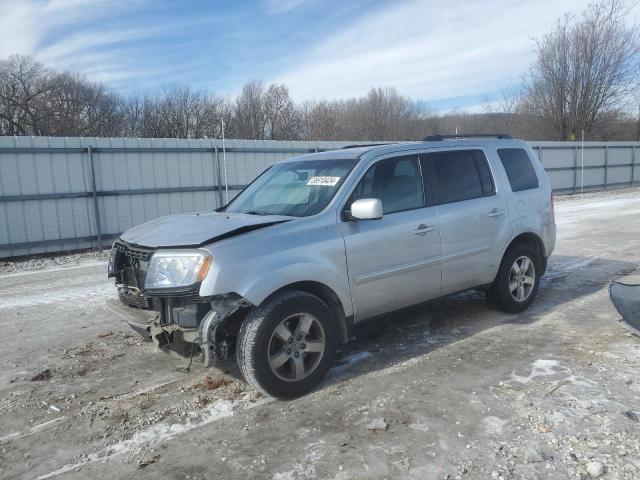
[(167, 308), (626, 299)]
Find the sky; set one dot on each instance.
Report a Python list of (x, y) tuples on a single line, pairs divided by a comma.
[(448, 54)]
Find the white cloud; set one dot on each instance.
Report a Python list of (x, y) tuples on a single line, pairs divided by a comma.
[(84, 41), (428, 49), (74, 34), (25, 24)]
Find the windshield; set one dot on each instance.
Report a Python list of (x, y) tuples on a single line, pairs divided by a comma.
[(296, 189)]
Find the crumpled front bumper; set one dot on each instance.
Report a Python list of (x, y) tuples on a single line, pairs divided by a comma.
[(138, 319), (171, 338), (202, 338)]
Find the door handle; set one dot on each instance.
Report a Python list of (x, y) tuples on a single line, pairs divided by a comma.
[(495, 212), (423, 229)]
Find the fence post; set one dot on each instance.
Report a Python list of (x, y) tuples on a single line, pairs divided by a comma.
[(606, 165), (219, 175), (633, 163), (96, 209), (575, 169)]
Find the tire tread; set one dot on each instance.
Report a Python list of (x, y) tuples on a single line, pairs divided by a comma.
[(497, 295), (250, 332)]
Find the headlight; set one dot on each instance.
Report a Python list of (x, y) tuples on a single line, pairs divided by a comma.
[(172, 269)]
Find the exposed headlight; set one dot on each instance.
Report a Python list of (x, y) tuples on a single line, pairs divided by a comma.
[(177, 268)]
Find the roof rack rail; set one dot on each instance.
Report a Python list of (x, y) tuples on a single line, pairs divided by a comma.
[(365, 145), (439, 138)]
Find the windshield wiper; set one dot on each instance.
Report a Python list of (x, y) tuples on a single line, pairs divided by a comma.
[(253, 212)]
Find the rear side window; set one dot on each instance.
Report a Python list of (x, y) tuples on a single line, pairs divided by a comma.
[(517, 164), (458, 175)]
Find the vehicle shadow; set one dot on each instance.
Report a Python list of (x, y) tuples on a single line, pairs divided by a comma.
[(400, 336)]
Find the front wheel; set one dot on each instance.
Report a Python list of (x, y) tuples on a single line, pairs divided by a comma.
[(517, 281), (287, 344)]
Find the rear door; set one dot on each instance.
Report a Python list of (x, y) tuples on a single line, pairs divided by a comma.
[(472, 213), (394, 261)]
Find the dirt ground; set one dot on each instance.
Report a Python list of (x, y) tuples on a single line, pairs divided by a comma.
[(448, 390)]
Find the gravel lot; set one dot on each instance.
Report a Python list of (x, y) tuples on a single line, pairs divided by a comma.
[(448, 390)]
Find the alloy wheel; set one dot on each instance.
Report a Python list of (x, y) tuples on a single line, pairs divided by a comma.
[(296, 347), (522, 278)]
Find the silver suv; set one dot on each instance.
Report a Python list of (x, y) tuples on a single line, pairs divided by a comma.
[(320, 242)]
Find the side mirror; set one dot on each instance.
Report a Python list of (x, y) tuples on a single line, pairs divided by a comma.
[(366, 209)]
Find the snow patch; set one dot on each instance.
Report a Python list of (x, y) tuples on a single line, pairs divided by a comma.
[(32, 430), (87, 294), (306, 468), (420, 427), (152, 436), (539, 368), (548, 368), (348, 362), (57, 268), (570, 212), (561, 268), (493, 425), (163, 431)]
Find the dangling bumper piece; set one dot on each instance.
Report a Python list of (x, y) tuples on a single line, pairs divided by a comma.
[(626, 299)]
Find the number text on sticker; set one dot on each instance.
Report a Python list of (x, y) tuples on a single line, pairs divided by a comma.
[(324, 181)]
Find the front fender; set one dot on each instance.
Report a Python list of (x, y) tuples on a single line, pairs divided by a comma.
[(266, 282)]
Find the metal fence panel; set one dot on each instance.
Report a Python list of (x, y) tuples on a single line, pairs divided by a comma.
[(61, 194)]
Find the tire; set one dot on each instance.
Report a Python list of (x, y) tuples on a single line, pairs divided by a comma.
[(501, 294), (263, 344)]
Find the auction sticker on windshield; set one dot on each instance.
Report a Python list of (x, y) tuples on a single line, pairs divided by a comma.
[(324, 181)]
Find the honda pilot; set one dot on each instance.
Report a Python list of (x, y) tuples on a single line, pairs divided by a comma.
[(316, 244)]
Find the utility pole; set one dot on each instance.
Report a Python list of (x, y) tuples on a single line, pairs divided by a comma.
[(582, 164), (224, 162)]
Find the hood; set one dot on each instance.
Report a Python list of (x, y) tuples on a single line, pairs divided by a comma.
[(196, 229)]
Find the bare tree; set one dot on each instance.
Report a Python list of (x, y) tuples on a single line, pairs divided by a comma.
[(508, 102), (35, 100), (249, 119), (281, 118), (178, 112), (24, 85), (76, 107), (323, 120), (635, 107), (188, 114), (265, 113), (583, 69), (133, 115), (383, 114)]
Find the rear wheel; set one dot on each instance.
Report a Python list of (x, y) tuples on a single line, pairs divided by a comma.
[(518, 279), (286, 345)]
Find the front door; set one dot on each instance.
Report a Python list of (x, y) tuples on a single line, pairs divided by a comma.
[(393, 262)]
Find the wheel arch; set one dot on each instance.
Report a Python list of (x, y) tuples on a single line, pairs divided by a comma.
[(328, 296), (532, 239)]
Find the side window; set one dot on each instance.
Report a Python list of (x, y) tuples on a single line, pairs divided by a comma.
[(458, 175), (395, 181), (517, 164)]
